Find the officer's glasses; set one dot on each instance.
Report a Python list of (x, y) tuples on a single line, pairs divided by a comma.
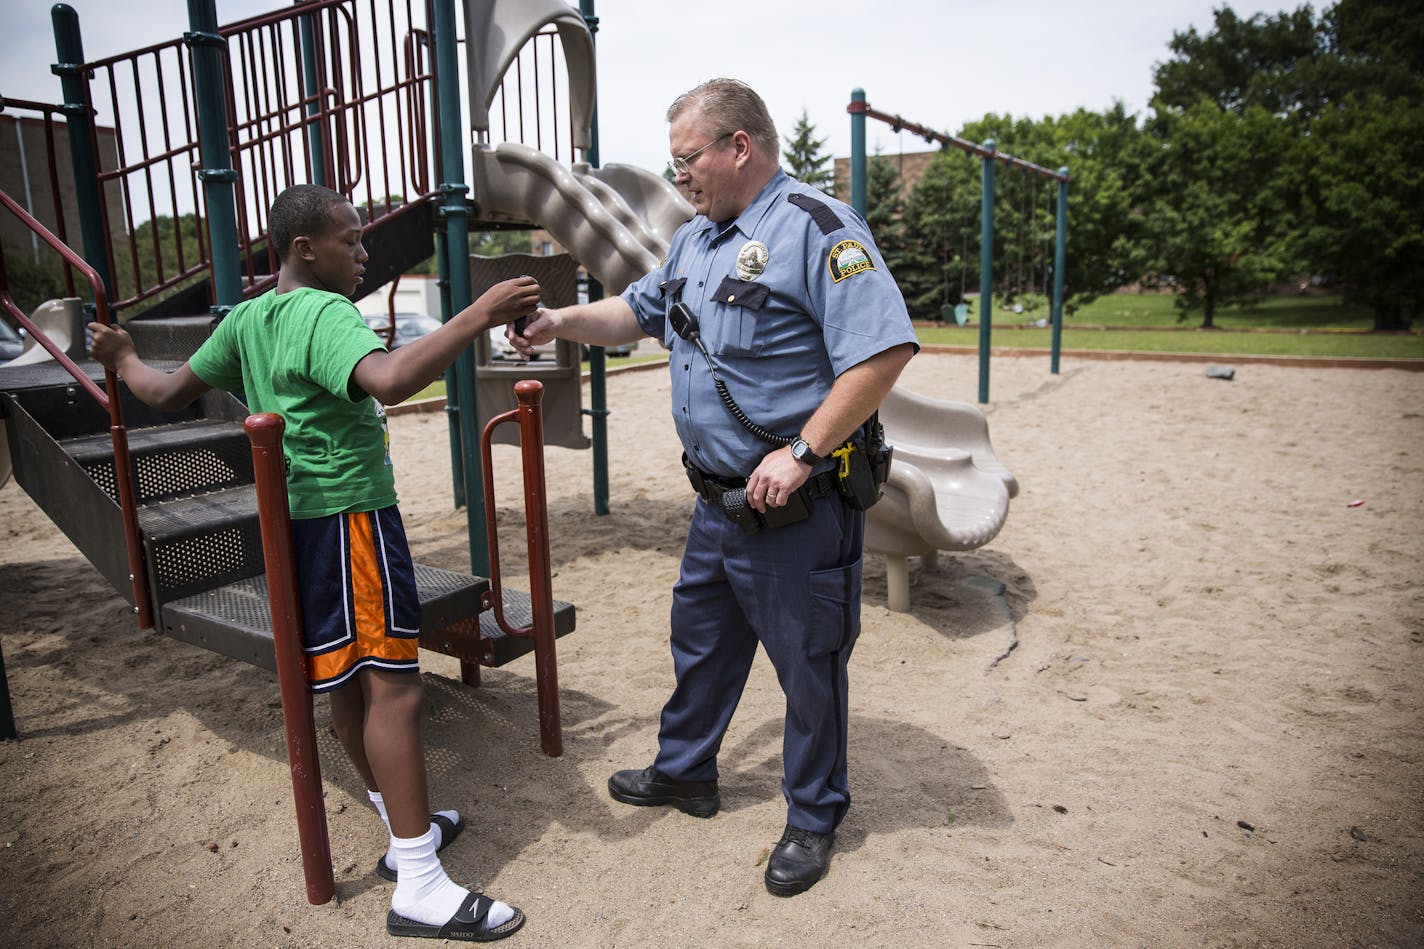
[(683, 165)]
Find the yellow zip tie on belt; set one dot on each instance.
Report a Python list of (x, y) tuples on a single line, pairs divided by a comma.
[(843, 453)]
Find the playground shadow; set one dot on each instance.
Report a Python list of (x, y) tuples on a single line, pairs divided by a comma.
[(963, 595), (656, 525), (482, 745)]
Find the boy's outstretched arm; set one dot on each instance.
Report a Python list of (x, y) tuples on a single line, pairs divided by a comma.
[(395, 376), (166, 391)]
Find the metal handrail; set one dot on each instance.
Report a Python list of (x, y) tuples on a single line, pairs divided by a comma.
[(264, 431), (530, 393), (109, 399)]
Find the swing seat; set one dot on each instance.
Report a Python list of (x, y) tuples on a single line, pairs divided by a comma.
[(947, 489)]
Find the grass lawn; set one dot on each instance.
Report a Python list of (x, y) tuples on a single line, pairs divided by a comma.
[(1319, 327)]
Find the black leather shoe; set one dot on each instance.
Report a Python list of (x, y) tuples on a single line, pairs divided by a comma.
[(798, 861), (651, 788)]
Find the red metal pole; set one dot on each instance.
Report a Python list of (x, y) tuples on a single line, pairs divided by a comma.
[(541, 585), (265, 433)]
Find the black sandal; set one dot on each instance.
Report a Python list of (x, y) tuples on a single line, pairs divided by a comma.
[(469, 924)]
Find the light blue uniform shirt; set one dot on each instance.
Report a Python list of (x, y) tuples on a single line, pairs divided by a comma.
[(823, 302)]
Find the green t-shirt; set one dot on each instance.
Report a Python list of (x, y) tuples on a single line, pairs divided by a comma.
[(293, 354)]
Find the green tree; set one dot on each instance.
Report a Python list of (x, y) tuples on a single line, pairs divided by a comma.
[(1335, 84), (1267, 61), (804, 159), (941, 242), (1221, 208), (885, 210), (485, 244), (1366, 234), (1106, 155)]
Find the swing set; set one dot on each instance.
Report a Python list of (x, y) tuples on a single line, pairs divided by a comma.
[(989, 156)]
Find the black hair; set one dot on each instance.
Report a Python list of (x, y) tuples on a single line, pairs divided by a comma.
[(300, 209)]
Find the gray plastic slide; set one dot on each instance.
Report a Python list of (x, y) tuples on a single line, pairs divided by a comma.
[(947, 490), (616, 221), (63, 322)]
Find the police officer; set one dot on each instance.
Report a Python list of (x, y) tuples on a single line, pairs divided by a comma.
[(798, 317)]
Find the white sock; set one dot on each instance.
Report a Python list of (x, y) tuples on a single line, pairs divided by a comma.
[(379, 803), (424, 892)]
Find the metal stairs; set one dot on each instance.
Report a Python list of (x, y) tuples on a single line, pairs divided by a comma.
[(197, 513)]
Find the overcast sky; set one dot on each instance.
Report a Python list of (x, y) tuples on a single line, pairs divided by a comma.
[(936, 62)]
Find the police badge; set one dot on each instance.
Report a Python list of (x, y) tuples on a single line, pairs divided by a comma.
[(751, 260)]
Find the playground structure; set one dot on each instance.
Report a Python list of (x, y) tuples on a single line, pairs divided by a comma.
[(323, 91), (166, 505)]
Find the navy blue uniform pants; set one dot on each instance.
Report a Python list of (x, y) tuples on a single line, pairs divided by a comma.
[(796, 590)]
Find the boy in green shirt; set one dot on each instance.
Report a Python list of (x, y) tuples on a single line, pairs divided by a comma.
[(302, 350)]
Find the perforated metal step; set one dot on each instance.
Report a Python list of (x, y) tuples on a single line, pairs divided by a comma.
[(200, 542), (171, 461), (236, 621)]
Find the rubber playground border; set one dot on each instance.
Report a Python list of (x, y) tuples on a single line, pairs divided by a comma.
[(437, 404)]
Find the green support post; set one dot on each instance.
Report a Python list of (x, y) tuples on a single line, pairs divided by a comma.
[(455, 211), (1060, 254), (74, 82), (857, 151), (316, 127), (452, 382), (218, 177), (986, 268), (597, 359)]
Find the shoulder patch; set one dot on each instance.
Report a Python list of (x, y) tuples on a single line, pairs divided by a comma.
[(821, 213), (847, 259)]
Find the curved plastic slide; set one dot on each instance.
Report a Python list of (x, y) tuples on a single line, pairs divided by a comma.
[(63, 322), (599, 216), (947, 490)]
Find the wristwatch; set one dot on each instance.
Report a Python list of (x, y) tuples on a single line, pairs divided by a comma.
[(801, 451)]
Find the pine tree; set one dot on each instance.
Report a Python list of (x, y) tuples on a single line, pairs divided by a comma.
[(804, 159)]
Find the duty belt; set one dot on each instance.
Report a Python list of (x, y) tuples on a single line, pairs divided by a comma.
[(729, 495)]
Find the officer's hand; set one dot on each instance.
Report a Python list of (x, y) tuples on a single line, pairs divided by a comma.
[(541, 327), (776, 479)]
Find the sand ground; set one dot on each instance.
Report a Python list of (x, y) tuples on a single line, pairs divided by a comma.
[(1175, 702)]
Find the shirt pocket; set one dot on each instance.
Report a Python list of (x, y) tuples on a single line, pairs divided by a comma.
[(739, 304)]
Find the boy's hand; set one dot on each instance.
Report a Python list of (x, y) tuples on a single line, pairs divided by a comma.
[(110, 345), (510, 299)]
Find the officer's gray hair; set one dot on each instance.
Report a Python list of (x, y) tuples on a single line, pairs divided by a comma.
[(729, 105)]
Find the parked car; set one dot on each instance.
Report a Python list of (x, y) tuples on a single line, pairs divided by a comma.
[(501, 349), (409, 326), (622, 349), (11, 343)]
